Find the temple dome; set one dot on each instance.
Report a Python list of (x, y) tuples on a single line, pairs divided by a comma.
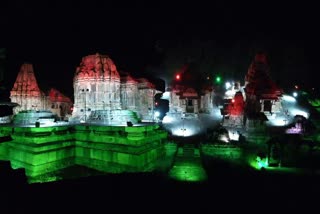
[(96, 67)]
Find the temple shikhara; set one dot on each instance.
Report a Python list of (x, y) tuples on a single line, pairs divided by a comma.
[(26, 91), (262, 94)]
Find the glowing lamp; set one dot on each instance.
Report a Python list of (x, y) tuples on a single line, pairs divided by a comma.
[(178, 77)]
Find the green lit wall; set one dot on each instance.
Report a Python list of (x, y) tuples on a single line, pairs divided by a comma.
[(115, 149), (225, 152), (4, 133)]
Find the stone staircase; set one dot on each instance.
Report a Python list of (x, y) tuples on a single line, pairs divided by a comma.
[(188, 150), (187, 165)]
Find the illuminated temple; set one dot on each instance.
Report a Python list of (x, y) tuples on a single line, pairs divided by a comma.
[(33, 103), (110, 126), (188, 94), (191, 109), (104, 95), (107, 130), (257, 101)]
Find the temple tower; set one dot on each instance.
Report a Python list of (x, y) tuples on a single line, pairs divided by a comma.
[(96, 86), (26, 92), (262, 94)]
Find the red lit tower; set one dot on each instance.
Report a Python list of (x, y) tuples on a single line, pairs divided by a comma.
[(262, 94)]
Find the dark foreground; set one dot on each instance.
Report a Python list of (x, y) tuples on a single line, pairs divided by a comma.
[(226, 189)]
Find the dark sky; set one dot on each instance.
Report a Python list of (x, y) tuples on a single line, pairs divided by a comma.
[(143, 39)]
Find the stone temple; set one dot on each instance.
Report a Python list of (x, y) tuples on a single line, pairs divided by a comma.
[(104, 95), (191, 110), (33, 104), (259, 99)]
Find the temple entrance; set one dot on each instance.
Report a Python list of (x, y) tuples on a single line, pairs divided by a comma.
[(190, 106), (267, 105)]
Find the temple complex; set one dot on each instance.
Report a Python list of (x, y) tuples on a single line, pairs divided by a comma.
[(105, 131), (101, 95)]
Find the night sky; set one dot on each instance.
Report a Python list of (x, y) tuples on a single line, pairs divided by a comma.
[(157, 40)]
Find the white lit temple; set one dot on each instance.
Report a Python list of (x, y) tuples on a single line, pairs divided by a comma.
[(103, 95), (191, 109)]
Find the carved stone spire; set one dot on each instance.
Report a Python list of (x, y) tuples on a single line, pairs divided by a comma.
[(26, 83), (26, 91), (258, 80)]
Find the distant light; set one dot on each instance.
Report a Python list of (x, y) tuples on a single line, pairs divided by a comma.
[(232, 100), (228, 85), (263, 163), (296, 112), (224, 138), (296, 87), (295, 94), (279, 121), (156, 114), (233, 135), (208, 78), (288, 98), (218, 79), (168, 119), (178, 77), (166, 95), (230, 93)]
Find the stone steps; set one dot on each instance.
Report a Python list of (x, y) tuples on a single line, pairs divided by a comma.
[(188, 150)]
